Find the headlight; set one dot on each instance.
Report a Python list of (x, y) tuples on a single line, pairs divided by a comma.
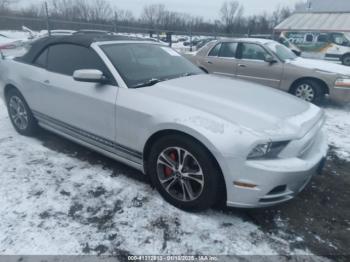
[(267, 150), (342, 83)]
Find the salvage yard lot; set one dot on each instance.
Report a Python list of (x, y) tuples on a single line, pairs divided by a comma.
[(59, 198)]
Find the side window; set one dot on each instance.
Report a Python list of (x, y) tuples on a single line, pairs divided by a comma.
[(253, 52), (41, 60), (309, 38), (215, 51), (340, 39), (323, 38), (228, 50), (66, 58)]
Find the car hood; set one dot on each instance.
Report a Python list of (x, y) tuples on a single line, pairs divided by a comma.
[(322, 66), (250, 106)]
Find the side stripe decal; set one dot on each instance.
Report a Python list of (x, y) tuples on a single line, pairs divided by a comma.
[(90, 138)]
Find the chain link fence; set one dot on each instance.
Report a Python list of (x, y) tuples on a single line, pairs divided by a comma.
[(47, 23)]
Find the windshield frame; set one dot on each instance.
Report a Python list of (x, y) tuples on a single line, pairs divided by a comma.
[(268, 46), (98, 47)]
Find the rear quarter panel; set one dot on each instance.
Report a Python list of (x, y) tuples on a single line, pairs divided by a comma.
[(22, 76)]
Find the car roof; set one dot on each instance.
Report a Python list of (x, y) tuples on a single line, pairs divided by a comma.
[(40, 44)]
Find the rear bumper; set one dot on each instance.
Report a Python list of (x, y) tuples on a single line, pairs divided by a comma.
[(276, 181)]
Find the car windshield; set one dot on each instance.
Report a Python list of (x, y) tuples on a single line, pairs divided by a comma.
[(281, 51), (144, 64)]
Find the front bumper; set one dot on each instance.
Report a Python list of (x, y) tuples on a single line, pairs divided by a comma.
[(340, 95), (277, 180)]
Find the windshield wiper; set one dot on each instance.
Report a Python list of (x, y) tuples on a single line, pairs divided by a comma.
[(150, 82)]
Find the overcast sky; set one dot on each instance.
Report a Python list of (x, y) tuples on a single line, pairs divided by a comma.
[(206, 8)]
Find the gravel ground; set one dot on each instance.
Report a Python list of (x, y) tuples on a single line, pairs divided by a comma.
[(57, 198)]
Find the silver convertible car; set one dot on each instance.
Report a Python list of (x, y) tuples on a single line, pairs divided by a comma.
[(202, 139)]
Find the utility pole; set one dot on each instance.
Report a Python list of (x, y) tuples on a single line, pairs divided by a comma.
[(191, 44), (115, 21), (47, 19), (309, 5)]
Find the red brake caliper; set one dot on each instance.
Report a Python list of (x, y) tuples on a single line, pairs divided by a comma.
[(167, 170)]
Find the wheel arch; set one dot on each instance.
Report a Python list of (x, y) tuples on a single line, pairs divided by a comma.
[(343, 56), (8, 87), (162, 133), (323, 84)]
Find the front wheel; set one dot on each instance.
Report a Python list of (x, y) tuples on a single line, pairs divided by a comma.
[(184, 173), (308, 90), (20, 114)]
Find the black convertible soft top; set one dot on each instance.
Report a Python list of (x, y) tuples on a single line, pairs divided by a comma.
[(83, 40)]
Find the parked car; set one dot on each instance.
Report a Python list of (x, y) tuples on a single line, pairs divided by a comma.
[(203, 42), (9, 43), (322, 45), (269, 63), (92, 32), (194, 42), (61, 32), (201, 138)]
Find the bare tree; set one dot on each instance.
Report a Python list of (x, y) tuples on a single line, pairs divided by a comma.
[(88, 10), (6, 4), (124, 16), (280, 14), (229, 13), (101, 10), (153, 15)]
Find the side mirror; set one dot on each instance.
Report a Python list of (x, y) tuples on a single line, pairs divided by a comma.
[(269, 59), (89, 75)]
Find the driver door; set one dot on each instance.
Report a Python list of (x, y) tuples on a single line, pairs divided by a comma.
[(251, 65), (83, 108)]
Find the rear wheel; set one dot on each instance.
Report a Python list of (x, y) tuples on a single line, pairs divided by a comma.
[(308, 90), (184, 173), (20, 114), (346, 60)]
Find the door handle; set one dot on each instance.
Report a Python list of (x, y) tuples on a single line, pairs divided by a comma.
[(47, 82), (210, 62), (242, 65)]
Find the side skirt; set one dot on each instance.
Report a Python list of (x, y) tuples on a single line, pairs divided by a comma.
[(108, 148)]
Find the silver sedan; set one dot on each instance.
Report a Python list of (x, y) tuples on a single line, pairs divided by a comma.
[(200, 138)]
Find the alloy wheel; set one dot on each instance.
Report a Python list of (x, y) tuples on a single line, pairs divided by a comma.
[(18, 113), (180, 174)]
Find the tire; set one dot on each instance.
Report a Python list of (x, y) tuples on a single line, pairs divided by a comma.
[(346, 60), (204, 190), (308, 90), (20, 114)]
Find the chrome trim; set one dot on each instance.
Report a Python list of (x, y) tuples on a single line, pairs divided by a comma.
[(259, 78)]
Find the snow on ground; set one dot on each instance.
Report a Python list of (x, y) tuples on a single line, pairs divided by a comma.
[(54, 203), (338, 126), (14, 34)]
